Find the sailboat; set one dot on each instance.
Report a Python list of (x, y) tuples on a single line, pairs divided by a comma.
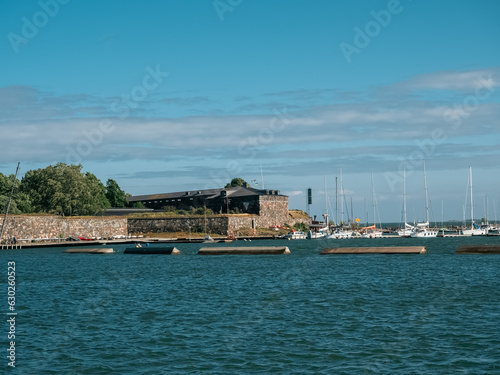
[(475, 230), (339, 232), (422, 229), (371, 232), (407, 229)]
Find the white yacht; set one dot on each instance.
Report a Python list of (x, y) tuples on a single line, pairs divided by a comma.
[(295, 235), (340, 233), (422, 230), (371, 232)]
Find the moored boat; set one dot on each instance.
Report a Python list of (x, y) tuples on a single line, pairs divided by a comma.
[(295, 235)]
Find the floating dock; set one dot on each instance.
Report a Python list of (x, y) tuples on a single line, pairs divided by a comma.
[(152, 250), (376, 250), (91, 251), (244, 250), (478, 249)]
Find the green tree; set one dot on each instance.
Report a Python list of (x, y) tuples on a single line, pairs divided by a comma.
[(64, 189), (20, 200), (235, 182), (116, 196), (300, 227), (5, 185), (13, 209)]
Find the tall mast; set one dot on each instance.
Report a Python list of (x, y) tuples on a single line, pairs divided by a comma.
[(365, 211), (442, 213), (336, 203), (471, 200), (486, 208), (373, 200), (404, 194), (426, 197), (341, 198), (261, 176), (326, 199), (8, 203), (326, 206), (352, 214)]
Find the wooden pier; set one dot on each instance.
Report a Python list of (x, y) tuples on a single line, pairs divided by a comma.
[(478, 249), (244, 250), (99, 250), (11, 246), (376, 250)]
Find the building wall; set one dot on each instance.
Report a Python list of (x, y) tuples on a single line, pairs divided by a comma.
[(273, 210), (218, 225), (31, 227)]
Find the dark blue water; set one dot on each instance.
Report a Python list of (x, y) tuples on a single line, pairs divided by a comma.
[(300, 313)]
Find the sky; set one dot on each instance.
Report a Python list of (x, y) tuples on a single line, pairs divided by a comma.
[(167, 96)]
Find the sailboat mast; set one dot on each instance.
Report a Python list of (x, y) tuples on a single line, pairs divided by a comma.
[(404, 194), (442, 214), (326, 200), (341, 198), (426, 197), (352, 214), (373, 200), (261, 176), (336, 203), (486, 208), (8, 203), (471, 200)]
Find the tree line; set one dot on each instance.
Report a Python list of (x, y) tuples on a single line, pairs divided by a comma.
[(61, 189)]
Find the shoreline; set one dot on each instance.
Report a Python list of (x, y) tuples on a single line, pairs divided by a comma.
[(151, 240)]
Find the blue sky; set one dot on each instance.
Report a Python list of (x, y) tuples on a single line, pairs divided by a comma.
[(175, 95)]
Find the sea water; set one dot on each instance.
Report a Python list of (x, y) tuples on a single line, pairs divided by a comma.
[(302, 313)]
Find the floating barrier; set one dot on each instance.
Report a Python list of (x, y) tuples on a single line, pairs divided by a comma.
[(152, 250), (244, 250), (91, 251), (478, 249), (376, 250)]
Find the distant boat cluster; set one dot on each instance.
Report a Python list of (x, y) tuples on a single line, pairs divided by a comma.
[(325, 230)]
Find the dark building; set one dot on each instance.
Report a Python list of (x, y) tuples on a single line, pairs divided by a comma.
[(241, 199)]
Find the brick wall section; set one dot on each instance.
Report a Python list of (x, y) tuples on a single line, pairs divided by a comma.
[(31, 227), (221, 225), (216, 225), (273, 210)]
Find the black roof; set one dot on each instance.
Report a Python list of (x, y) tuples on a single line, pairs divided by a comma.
[(239, 191)]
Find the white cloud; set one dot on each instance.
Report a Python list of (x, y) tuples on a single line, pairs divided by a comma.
[(293, 193), (454, 80), (39, 126)]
